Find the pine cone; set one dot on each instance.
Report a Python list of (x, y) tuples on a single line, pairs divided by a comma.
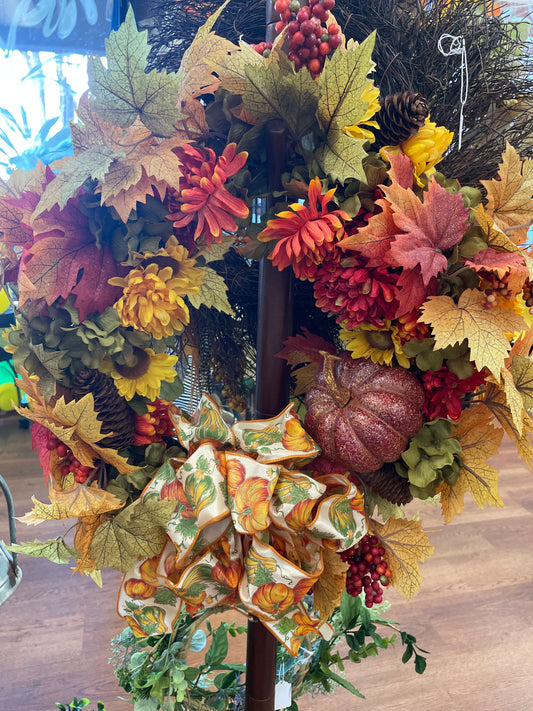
[(388, 484), (112, 410), (400, 116)]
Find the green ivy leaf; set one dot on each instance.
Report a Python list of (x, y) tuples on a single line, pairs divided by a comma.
[(218, 650), (124, 90)]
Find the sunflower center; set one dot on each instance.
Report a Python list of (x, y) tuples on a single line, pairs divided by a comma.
[(381, 340), (136, 367)]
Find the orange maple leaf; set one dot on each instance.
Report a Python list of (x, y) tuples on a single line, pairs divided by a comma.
[(406, 544), (328, 589), (509, 267), (373, 241), (479, 440)]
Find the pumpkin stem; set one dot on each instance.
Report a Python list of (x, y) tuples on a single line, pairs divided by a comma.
[(340, 395)]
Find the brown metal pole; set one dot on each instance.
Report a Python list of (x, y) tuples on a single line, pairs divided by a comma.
[(272, 393), (274, 326)]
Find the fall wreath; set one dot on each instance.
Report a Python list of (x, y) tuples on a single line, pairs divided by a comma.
[(132, 267)]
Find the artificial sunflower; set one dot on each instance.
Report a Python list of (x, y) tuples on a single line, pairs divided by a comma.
[(306, 235), (143, 375), (357, 130), (425, 148), (380, 344), (152, 300)]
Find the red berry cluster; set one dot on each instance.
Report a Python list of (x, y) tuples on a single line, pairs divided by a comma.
[(263, 48), (69, 463), (368, 570), (310, 40), (494, 291)]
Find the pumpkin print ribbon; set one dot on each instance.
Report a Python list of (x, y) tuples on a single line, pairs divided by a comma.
[(248, 530)]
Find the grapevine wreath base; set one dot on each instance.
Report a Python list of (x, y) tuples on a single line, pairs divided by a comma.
[(133, 266)]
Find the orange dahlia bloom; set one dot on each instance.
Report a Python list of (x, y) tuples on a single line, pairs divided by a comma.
[(202, 195), (307, 234)]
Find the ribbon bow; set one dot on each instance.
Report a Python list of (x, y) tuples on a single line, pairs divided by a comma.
[(248, 530)]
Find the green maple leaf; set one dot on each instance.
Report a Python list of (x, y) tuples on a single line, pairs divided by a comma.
[(522, 371), (213, 293), (277, 91), (138, 531), (92, 163), (339, 105), (44, 364), (55, 550), (124, 90)]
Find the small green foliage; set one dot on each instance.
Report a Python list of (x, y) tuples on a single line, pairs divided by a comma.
[(77, 704), (155, 668)]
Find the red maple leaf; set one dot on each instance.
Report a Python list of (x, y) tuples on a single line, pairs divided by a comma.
[(306, 346), (426, 229), (40, 436), (412, 290), (64, 259), (401, 169), (509, 267)]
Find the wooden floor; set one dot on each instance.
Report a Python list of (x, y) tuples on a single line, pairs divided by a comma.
[(474, 613)]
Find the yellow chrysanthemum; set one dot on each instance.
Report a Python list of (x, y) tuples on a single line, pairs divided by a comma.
[(425, 148), (152, 301), (188, 277), (143, 375), (520, 308), (380, 344), (357, 130)]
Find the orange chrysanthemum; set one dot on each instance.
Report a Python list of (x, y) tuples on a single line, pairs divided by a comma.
[(307, 234), (202, 195)]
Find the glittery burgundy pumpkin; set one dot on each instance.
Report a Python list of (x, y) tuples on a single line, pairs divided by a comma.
[(362, 413)]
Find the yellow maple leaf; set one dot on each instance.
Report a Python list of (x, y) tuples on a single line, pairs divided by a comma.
[(484, 329), (494, 399), (479, 440), (495, 238), (406, 544), (232, 70), (79, 501), (75, 423), (196, 67), (328, 589), (124, 199), (509, 198)]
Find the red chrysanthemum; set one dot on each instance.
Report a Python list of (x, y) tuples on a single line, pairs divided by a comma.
[(154, 424), (306, 234), (356, 293), (444, 391), (202, 195)]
